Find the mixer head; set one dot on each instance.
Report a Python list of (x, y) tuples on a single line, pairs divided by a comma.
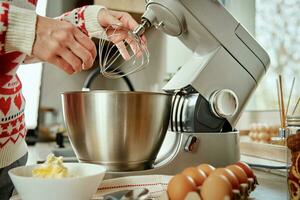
[(121, 52)]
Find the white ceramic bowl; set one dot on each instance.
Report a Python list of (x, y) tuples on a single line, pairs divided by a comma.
[(87, 178)]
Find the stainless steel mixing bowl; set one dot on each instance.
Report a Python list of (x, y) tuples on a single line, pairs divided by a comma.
[(122, 130)]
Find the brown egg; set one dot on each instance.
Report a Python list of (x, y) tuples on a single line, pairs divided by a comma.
[(264, 128), (265, 137), (239, 173), (216, 187), (229, 175), (255, 136), (206, 168), (179, 186), (247, 169), (251, 135), (259, 127), (196, 174)]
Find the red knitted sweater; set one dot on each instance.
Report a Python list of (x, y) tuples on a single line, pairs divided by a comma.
[(17, 34)]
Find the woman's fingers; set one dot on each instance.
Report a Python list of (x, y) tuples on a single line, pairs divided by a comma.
[(83, 54), (144, 40), (116, 36), (86, 42), (106, 19), (58, 61), (125, 18), (135, 47), (63, 44), (123, 51), (68, 56), (119, 35)]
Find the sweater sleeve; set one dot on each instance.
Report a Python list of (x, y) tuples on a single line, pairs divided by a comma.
[(86, 19), (17, 29)]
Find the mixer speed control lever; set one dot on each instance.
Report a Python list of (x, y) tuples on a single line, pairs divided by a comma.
[(224, 103), (191, 144)]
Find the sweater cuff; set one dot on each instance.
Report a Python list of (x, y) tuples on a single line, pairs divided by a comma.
[(20, 34), (91, 21)]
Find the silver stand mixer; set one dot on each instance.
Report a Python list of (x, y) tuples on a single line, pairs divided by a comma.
[(209, 92), (212, 88)]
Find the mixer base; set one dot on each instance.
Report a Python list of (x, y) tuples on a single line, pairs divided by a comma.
[(192, 149)]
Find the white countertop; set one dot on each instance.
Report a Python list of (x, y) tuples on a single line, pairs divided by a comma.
[(272, 183), (271, 186)]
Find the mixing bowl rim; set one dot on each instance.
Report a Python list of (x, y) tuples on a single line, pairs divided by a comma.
[(115, 92)]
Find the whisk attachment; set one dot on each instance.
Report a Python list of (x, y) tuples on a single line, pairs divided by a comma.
[(142, 27), (121, 52)]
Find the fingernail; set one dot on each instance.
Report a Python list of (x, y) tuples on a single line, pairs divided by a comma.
[(83, 66)]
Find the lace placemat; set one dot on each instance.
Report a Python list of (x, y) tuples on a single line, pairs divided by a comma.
[(156, 184)]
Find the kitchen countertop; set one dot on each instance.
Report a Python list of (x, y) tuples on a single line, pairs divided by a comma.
[(272, 185)]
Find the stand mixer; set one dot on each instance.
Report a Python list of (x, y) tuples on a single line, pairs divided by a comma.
[(226, 66), (210, 90)]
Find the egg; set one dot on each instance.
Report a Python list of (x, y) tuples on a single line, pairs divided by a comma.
[(196, 174), (251, 135), (264, 128), (216, 187), (179, 186), (265, 137), (239, 173), (229, 175), (255, 136), (206, 168), (259, 127), (247, 169)]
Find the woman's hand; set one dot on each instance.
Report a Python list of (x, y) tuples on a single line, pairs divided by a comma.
[(115, 20), (109, 18), (64, 45)]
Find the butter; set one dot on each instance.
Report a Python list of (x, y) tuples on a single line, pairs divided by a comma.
[(52, 168)]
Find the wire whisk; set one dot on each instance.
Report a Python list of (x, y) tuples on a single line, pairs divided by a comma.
[(121, 52)]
